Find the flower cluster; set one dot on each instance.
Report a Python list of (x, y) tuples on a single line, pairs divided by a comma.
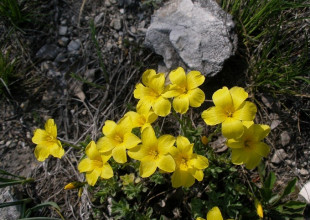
[(167, 153), (236, 116)]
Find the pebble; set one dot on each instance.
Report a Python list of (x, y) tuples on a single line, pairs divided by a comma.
[(116, 23), (285, 138), (278, 156), (98, 18), (63, 41), (63, 30), (133, 29), (303, 172), (74, 45), (275, 124), (47, 52), (28, 135), (107, 3), (8, 143)]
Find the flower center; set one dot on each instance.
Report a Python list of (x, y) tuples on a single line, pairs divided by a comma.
[(247, 144), (118, 138), (183, 163), (154, 154), (97, 163), (50, 138)]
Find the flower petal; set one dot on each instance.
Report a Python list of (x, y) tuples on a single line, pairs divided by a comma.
[(196, 97), (178, 77), (238, 96), (166, 163), (162, 106), (252, 160), (181, 103), (51, 128), (106, 171), (182, 178), (213, 115), (148, 137), (147, 75), (157, 83), (131, 140), (144, 105), (57, 151), (92, 151), (140, 91), (86, 165), (119, 154), (222, 98), (261, 148), (200, 162), (232, 128), (92, 176), (246, 112), (165, 142), (214, 214), (39, 136), (194, 79), (108, 127), (238, 156), (233, 143), (198, 174), (137, 153), (261, 131), (184, 145), (105, 144), (41, 152), (147, 168)]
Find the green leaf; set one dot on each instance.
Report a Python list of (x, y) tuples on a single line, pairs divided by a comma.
[(289, 188), (40, 218), (270, 181), (53, 204), (19, 202)]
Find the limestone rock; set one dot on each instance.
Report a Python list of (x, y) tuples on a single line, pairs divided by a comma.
[(193, 33)]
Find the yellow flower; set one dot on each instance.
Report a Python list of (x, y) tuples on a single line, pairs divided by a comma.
[(151, 93), (259, 209), (204, 140), (213, 214), (143, 118), (248, 149), (185, 89), (74, 185), (153, 153), (189, 166), (230, 109), (47, 142), (117, 139), (95, 165)]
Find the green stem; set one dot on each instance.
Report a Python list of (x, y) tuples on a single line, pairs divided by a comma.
[(71, 145), (183, 130)]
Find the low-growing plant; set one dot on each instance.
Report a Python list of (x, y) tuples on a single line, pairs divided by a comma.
[(7, 71), (134, 162)]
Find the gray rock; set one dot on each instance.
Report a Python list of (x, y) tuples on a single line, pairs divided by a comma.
[(285, 138), (116, 23), (278, 156), (275, 124), (63, 41), (74, 45), (98, 18), (303, 172), (63, 30), (10, 212), (47, 52), (197, 34)]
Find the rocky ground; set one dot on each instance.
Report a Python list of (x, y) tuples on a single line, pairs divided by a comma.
[(67, 81)]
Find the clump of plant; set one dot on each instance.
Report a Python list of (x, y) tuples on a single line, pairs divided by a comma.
[(135, 161)]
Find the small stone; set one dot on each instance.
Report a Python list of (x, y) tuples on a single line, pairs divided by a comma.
[(63, 22), (116, 23), (285, 138), (278, 156), (107, 3), (303, 172), (28, 135), (267, 101), (61, 58), (84, 112), (74, 45), (63, 41), (293, 163), (8, 143), (47, 52), (275, 124), (133, 29), (289, 162), (122, 11), (1, 142), (98, 18), (63, 30)]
